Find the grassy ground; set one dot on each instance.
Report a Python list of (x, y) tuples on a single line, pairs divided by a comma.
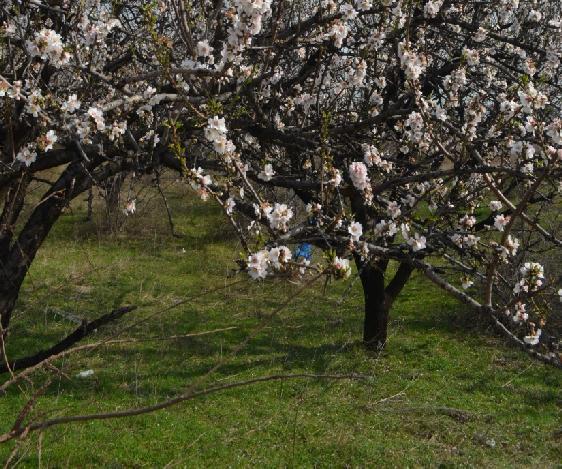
[(439, 358)]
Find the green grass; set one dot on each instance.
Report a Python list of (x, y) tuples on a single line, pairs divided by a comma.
[(439, 356)]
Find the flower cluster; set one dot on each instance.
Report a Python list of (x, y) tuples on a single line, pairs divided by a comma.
[(72, 104), (532, 278), (28, 154), (338, 32), (261, 263), (416, 242), (359, 175), (216, 132), (201, 182), (279, 216), (246, 22), (267, 173), (412, 63), (49, 46), (500, 222), (520, 314), (465, 241), (46, 142), (97, 116), (432, 8), (372, 157), (341, 268)]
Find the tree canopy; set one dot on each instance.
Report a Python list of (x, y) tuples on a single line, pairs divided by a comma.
[(425, 135)]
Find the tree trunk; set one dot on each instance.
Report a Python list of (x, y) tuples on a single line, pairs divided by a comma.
[(15, 259), (9, 290), (114, 215), (379, 299), (376, 308), (376, 322), (7, 303), (90, 200)]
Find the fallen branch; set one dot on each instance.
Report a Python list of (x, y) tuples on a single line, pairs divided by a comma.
[(185, 300), (81, 332), (30, 370), (15, 432)]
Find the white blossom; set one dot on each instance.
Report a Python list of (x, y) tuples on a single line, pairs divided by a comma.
[(432, 8), (267, 173), (258, 264), (97, 115), (204, 49), (520, 314), (280, 216), (495, 205), (28, 154), (46, 142), (359, 175), (341, 267), (49, 46), (71, 104), (279, 256), (500, 222), (355, 230), (229, 205), (417, 242)]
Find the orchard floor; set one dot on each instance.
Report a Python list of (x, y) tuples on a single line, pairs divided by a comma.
[(445, 392)]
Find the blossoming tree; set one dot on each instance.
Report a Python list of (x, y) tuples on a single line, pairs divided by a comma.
[(425, 135)]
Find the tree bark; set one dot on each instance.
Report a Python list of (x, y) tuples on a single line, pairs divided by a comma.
[(7, 304), (90, 200), (113, 188), (15, 259), (375, 324), (378, 299), (9, 289)]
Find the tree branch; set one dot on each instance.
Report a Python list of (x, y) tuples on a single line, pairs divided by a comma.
[(84, 330), (399, 280), (171, 402)]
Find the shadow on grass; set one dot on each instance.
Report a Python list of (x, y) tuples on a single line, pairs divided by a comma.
[(462, 322), (310, 345)]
